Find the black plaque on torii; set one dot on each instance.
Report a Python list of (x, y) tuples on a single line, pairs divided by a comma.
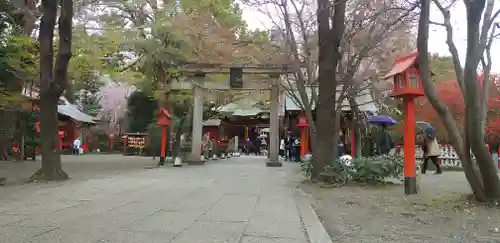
[(236, 78)]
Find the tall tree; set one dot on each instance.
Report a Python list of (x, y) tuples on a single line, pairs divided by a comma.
[(329, 57), (53, 82), (480, 173)]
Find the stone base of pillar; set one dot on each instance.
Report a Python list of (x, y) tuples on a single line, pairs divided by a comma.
[(194, 160), (273, 164), (177, 162)]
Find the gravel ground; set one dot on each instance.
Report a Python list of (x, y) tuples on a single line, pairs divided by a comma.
[(82, 167), (439, 213)]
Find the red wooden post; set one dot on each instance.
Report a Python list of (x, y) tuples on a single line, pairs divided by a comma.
[(163, 120), (409, 140), (163, 142), (61, 136), (304, 134)]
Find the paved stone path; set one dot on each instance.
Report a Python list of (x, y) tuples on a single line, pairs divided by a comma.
[(234, 200)]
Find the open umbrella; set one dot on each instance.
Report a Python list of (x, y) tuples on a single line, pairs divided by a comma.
[(425, 127), (382, 120)]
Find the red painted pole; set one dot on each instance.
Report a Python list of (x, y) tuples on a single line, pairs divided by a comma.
[(163, 143), (303, 141), (410, 181)]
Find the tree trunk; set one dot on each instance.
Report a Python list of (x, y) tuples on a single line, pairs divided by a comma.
[(53, 82), (442, 110), (51, 159), (6, 123), (328, 58), (473, 115)]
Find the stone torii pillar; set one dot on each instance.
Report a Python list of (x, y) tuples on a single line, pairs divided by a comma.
[(274, 123), (197, 132)]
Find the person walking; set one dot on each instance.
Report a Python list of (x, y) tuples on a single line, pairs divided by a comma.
[(247, 146), (296, 149), (76, 146), (431, 152), (282, 147), (385, 143), (288, 147)]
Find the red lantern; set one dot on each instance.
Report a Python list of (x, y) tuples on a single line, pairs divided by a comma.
[(304, 134), (61, 134), (406, 78), (302, 121), (163, 117), (37, 127)]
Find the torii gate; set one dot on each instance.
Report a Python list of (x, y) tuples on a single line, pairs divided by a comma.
[(197, 81)]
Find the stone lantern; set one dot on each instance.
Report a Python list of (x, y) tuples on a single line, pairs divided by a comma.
[(407, 86)]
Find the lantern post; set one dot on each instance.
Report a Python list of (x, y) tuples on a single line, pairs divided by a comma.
[(163, 120), (408, 86), (304, 134)]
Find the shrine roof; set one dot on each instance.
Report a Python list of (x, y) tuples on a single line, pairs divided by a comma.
[(402, 64), (364, 99), (64, 107), (68, 109), (212, 122), (244, 107)]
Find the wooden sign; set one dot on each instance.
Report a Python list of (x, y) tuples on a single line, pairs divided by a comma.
[(236, 78), (137, 142)]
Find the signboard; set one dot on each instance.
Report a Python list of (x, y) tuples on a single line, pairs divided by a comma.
[(138, 142), (236, 78), (135, 143)]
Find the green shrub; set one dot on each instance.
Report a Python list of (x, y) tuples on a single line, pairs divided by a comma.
[(337, 174), (376, 168), (362, 169), (306, 165)]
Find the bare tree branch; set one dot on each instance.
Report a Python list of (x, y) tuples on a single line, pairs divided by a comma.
[(451, 44)]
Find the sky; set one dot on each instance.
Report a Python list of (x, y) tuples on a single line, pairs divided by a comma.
[(437, 37)]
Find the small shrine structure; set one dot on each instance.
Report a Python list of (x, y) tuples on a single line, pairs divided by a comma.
[(73, 123)]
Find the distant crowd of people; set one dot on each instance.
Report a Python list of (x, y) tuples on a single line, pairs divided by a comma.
[(290, 147), (256, 146)]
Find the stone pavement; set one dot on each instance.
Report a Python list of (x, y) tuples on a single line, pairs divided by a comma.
[(234, 200)]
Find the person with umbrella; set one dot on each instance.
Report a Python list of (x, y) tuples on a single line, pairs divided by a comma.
[(430, 148), (384, 140)]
